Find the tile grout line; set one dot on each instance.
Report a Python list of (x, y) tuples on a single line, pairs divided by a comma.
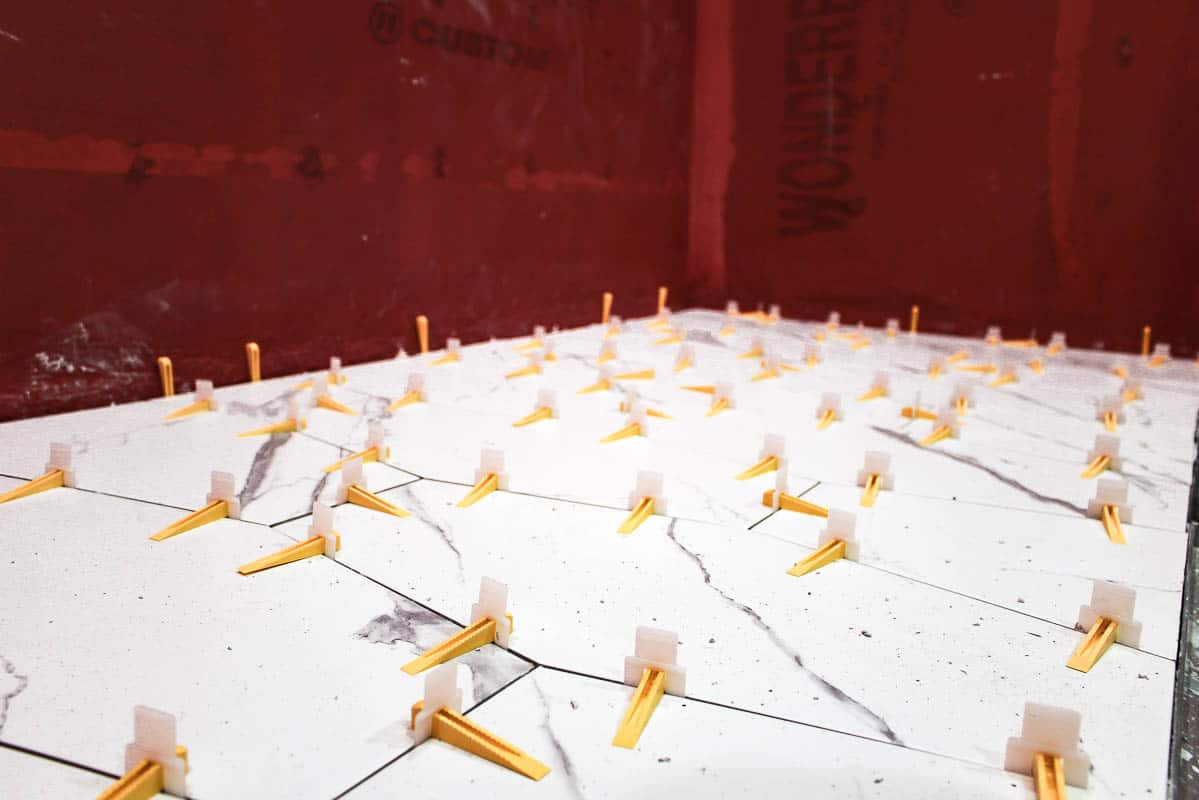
[(107, 494), (29, 751), (413, 747), (66, 762), (955, 592), (775, 717)]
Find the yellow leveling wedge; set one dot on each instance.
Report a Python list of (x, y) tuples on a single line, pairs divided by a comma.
[(1110, 421), (532, 369), (822, 556), (472, 637), (1037, 366), (283, 426), (1099, 638), (983, 369), (167, 373), (641, 708), (788, 502), (448, 358), (640, 375), (934, 371), (142, 782), (718, 405), (640, 513), (599, 386), (673, 338), (368, 455), (194, 408), (628, 431), (367, 499), (452, 728), (870, 493), (308, 548), (331, 379), (1098, 465), (917, 413), (1004, 379), (956, 357), (767, 464), (755, 352), (875, 392), (217, 509), (701, 389), (765, 374), (412, 396), (1049, 777), (826, 419), (422, 332), (51, 480), (535, 416), (254, 361), (327, 402), (486, 485), (1111, 524), (941, 433)]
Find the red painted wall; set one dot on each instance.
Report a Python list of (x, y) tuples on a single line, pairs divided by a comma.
[(181, 178), (178, 179), (1026, 164)]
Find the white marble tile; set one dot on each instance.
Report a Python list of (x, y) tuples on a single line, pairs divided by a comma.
[(895, 647), (1037, 564), (31, 777), (814, 649), (563, 458), (688, 749), (1044, 484), (130, 451), (995, 461), (284, 682)]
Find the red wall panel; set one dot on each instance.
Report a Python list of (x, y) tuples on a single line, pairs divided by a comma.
[(1025, 164), (181, 178)]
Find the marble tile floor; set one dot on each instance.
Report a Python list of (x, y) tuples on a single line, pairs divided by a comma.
[(898, 674)]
